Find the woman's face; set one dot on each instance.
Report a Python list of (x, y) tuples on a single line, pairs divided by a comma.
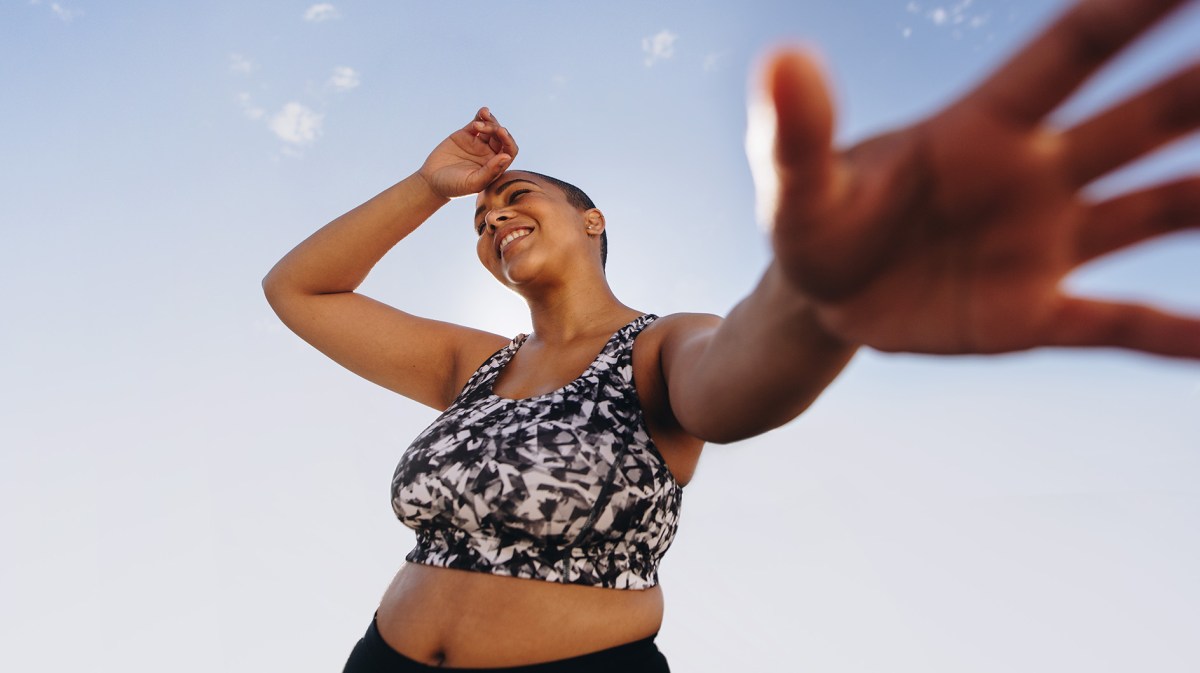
[(529, 231)]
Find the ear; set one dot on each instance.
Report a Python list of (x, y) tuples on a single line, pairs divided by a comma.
[(595, 221)]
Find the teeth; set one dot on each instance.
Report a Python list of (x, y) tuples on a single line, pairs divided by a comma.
[(513, 236)]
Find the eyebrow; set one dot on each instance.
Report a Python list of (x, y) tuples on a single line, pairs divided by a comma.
[(500, 189)]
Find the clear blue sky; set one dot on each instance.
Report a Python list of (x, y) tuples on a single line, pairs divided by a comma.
[(184, 484)]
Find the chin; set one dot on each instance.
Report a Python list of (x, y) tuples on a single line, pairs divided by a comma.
[(522, 272), (516, 281), (524, 281)]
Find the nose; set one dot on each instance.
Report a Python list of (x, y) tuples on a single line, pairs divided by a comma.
[(494, 219)]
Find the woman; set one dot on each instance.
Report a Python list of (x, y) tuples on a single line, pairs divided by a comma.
[(547, 492)]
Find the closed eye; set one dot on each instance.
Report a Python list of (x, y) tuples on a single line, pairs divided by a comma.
[(512, 197)]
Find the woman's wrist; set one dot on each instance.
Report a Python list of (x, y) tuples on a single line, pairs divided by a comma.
[(799, 310), (429, 192)]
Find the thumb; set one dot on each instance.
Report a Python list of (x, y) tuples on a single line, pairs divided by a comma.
[(803, 110), (484, 175), (789, 139)]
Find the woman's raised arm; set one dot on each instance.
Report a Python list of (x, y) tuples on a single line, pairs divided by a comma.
[(952, 235), (312, 288)]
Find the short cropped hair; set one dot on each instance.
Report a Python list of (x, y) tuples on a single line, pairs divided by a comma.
[(576, 197)]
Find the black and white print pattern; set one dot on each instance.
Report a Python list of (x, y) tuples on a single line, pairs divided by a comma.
[(563, 487)]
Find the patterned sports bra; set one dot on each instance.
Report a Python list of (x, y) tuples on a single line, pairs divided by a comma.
[(563, 487)]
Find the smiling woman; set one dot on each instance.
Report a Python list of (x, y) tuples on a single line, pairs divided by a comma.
[(549, 488), (575, 462)]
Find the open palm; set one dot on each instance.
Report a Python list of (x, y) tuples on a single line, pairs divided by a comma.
[(953, 235)]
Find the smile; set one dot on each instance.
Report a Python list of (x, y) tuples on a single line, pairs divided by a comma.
[(512, 236)]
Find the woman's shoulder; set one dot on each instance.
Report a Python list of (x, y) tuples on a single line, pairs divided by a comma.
[(664, 339), (675, 328)]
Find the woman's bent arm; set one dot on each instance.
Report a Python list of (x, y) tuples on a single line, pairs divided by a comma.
[(312, 287), (340, 255)]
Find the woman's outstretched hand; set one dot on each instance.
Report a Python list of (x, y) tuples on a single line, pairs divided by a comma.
[(470, 158), (953, 235)]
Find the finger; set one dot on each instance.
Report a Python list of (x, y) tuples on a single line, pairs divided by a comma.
[(1133, 218), (479, 126), (486, 133), (1048, 70), (482, 143), (485, 174), (1088, 322), (470, 136), (487, 128), (480, 117), (789, 135), (507, 143), (1127, 131), (494, 143), (803, 111)]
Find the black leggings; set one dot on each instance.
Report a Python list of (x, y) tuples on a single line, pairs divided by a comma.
[(373, 655)]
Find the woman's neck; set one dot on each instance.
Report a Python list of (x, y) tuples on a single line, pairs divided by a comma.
[(578, 311)]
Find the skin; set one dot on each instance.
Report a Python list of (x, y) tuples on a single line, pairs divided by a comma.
[(949, 236)]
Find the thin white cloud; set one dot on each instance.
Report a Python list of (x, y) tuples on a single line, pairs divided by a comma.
[(713, 60), (251, 110), (955, 16), (64, 13), (659, 47), (321, 12), (296, 124), (344, 78), (241, 64)]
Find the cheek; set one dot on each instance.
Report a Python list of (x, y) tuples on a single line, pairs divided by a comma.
[(487, 257)]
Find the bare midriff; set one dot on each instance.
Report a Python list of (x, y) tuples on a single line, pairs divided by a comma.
[(465, 619)]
